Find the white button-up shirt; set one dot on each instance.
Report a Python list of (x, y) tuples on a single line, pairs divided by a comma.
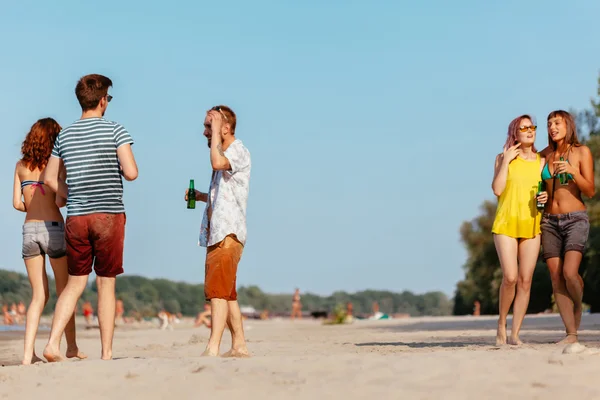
[(227, 199)]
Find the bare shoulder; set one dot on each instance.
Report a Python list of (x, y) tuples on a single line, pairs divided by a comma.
[(20, 167), (544, 153), (582, 151)]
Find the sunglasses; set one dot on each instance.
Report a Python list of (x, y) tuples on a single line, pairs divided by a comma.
[(108, 98), (218, 108), (526, 128)]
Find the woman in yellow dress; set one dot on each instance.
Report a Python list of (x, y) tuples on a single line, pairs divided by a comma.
[(516, 228)]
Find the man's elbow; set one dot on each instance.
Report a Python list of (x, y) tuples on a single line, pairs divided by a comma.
[(220, 164), (130, 175)]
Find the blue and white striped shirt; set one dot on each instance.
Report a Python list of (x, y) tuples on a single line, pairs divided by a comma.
[(88, 148)]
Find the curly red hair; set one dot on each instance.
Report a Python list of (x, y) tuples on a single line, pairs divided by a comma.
[(38, 143)]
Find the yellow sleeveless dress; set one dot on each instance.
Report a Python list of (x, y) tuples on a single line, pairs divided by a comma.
[(517, 215)]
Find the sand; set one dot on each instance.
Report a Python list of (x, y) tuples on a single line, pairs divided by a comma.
[(414, 358)]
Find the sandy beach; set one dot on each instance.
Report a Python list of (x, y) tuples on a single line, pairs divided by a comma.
[(415, 358)]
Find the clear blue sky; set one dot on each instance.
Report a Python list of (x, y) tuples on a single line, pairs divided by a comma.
[(372, 126)]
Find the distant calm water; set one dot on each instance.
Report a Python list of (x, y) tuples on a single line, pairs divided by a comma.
[(20, 328)]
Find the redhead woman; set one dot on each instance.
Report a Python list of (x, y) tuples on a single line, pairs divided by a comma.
[(569, 175), (516, 228), (43, 231)]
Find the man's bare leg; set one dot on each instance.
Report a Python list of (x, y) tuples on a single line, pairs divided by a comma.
[(106, 313), (65, 308), (219, 311), (61, 277), (236, 326)]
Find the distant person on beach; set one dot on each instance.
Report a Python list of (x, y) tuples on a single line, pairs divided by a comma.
[(516, 227), (88, 312), (476, 308), (296, 305), (43, 232), (8, 319), (21, 311), (565, 224), (203, 318), (223, 230), (96, 154), (119, 311)]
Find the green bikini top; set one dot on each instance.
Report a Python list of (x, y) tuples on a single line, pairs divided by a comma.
[(546, 169)]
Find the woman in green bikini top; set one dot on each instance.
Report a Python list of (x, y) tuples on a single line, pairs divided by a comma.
[(565, 225)]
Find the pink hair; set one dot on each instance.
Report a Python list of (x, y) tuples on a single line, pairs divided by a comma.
[(513, 130)]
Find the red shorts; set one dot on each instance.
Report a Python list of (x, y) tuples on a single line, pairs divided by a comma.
[(95, 239), (221, 269)]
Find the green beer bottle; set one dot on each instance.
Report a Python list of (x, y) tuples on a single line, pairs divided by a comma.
[(191, 203), (539, 205), (562, 178)]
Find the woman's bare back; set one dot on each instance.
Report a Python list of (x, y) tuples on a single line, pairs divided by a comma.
[(40, 201)]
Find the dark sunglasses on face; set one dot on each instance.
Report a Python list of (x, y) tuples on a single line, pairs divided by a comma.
[(108, 98)]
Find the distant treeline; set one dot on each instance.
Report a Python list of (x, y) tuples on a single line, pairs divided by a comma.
[(146, 297)]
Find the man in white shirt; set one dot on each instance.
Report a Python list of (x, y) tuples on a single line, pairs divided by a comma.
[(223, 230)]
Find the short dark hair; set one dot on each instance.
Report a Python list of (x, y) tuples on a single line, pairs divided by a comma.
[(91, 89)]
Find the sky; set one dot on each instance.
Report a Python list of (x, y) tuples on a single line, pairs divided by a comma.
[(372, 126)]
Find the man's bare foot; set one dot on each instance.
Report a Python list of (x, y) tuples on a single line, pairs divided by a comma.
[(570, 338), (52, 356), (238, 353), (501, 334), (515, 341), (75, 353)]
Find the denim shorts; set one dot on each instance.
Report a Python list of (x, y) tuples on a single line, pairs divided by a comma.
[(564, 232), (41, 238)]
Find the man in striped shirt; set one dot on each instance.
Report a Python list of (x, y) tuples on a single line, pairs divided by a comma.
[(96, 154)]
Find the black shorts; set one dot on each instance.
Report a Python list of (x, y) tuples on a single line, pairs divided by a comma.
[(564, 232)]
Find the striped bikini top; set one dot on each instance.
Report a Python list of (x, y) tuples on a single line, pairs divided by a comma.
[(34, 184)]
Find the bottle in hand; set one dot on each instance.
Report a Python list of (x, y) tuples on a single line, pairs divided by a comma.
[(563, 178), (191, 202), (539, 205)]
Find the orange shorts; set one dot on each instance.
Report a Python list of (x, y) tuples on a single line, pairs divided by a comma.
[(221, 269)]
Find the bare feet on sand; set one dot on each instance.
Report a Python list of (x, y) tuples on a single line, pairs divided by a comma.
[(52, 355), (501, 334), (75, 353), (33, 360), (238, 353), (209, 353), (515, 341), (570, 338)]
